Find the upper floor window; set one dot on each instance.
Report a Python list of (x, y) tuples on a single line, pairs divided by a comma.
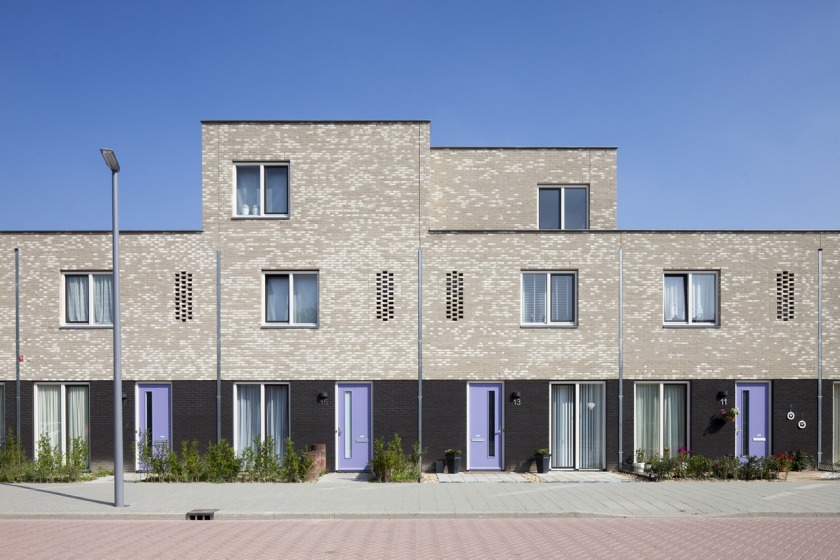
[(691, 298), (564, 207), (291, 298), (262, 189), (88, 298), (548, 298)]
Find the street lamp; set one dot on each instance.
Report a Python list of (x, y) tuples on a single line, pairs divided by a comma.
[(114, 166)]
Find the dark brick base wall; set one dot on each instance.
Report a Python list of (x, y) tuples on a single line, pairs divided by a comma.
[(311, 421), (709, 435), (526, 424), (444, 419), (799, 397)]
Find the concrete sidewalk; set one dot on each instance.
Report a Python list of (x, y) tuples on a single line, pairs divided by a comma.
[(801, 496)]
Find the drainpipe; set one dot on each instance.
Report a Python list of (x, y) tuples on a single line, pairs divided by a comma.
[(218, 346), (620, 358), (17, 343), (420, 348), (819, 355)]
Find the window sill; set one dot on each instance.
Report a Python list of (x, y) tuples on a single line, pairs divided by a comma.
[(689, 326), (548, 326), (69, 327), (270, 326), (261, 217)]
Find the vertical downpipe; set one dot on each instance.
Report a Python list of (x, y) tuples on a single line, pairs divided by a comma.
[(218, 346), (620, 358), (420, 347), (819, 355), (17, 344)]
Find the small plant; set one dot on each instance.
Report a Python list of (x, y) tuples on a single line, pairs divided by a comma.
[(222, 463), (542, 451), (47, 461), (14, 466), (451, 451), (640, 455), (295, 467), (390, 464), (663, 467), (802, 460), (76, 462), (729, 414), (193, 468)]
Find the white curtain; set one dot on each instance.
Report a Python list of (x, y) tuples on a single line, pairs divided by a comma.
[(591, 426), (247, 190), (2, 415), (533, 298), (837, 422), (49, 413), (277, 299), (562, 298), (675, 298), (277, 190), (277, 416), (306, 298), (674, 421), (647, 419), (76, 298), (248, 416), (77, 415), (563, 428), (103, 294), (704, 300)]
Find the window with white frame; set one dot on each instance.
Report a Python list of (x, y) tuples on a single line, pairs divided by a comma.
[(261, 411), (837, 423), (564, 207), (88, 298), (291, 298), (2, 415), (549, 298), (661, 418), (261, 189), (690, 298), (62, 414)]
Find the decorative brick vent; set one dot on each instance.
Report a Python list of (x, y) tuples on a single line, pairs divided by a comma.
[(784, 295), (183, 296), (454, 295), (385, 296)]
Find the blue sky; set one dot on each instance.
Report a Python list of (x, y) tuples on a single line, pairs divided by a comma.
[(726, 114)]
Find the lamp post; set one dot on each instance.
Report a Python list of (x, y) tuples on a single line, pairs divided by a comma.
[(114, 166)]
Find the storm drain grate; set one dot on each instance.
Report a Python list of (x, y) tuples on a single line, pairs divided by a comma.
[(201, 514)]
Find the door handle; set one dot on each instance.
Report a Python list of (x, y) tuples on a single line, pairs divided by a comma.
[(338, 431)]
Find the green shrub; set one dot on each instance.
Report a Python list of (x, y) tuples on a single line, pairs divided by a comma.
[(222, 463), (664, 467), (47, 461), (295, 467), (193, 468), (76, 461), (697, 466), (14, 465), (390, 464), (802, 460), (725, 468)]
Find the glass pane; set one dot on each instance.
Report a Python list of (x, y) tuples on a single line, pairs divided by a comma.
[(76, 298), (348, 425), (533, 298), (745, 422), (574, 209), (103, 298), (647, 420), (277, 190), (563, 426), (549, 208), (277, 416), (248, 416), (277, 298), (247, 190), (562, 298), (306, 298), (837, 422), (2, 416), (675, 302), (591, 426), (49, 414), (78, 425), (491, 423), (703, 298), (674, 420)]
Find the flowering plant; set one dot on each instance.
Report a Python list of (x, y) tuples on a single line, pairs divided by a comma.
[(729, 415), (783, 461)]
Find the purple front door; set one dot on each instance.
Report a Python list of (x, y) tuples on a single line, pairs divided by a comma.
[(484, 426), (154, 415), (353, 434), (753, 422)]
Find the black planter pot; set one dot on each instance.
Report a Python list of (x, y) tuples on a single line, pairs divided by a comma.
[(543, 463), (453, 463)]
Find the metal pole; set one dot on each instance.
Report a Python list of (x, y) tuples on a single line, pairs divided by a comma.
[(118, 435), (819, 355), (620, 358), (218, 346), (420, 347), (17, 344)]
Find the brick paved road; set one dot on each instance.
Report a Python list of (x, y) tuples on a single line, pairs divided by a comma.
[(800, 537)]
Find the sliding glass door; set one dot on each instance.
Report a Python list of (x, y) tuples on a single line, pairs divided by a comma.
[(577, 426)]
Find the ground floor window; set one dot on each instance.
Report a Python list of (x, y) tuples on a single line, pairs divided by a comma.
[(2, 415), (261, 410), (577, 425), (62, 414), (661, 418), (837, 423)]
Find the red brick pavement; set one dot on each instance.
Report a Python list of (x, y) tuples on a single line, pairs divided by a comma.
[(424, 538)]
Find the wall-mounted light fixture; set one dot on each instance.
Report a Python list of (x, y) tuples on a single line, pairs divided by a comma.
[(322, 398), (515, 396), (722, 396)]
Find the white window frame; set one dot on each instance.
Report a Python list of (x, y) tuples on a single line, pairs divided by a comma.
[(603, 436), (291, 274), (689, 322), (548, 322), (262, 215), (563, 189), (661, 385), (262, 409), (836, 427), (2, 415), (90, 324), (62, 413)]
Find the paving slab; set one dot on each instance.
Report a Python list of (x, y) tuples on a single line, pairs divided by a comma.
[(578, 477)]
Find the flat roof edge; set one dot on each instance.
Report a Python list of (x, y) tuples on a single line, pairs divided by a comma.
[(315, 121), (632, 231), (101, 232), (477, 148)]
